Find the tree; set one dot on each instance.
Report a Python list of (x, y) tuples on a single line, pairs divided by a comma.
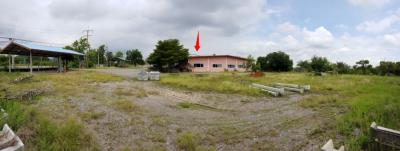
[(363, 65), (250, 63), (101, 51), (320, 64), (342, 68), (119, 54), (389, 68), (169, 55), (275, 61), (134, 57), (304, 65), (91, 56), (82, 46), (109, 57)]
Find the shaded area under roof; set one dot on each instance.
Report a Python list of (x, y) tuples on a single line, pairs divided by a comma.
[(24, 48)]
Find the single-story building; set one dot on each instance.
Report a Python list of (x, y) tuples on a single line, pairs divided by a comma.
[(217, 63)]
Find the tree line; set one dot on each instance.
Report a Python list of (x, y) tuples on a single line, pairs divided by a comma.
[(171, 56), (102, 56), (280, 61)]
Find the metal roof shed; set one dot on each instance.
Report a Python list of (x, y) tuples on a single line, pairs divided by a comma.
[(34, 49)]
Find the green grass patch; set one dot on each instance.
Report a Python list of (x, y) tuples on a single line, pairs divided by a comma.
[(39, 132)]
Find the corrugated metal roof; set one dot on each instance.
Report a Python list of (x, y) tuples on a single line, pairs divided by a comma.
[(41, 47)]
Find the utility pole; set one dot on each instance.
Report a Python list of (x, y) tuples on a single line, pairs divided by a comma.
[(87, 34)]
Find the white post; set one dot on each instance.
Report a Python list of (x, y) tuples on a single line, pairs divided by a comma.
[(9, 63), (30, 60)]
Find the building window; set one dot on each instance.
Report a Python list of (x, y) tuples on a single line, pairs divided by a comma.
[(198, 65), (231, 66), (241, 66), (217, 65)]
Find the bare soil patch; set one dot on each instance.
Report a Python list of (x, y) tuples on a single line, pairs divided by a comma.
[(148, 116)]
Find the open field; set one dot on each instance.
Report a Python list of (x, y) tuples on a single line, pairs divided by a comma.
[(107, 109), (358, 100)]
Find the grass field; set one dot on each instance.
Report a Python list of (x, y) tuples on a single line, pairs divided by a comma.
[(358, 100), (103, 111)]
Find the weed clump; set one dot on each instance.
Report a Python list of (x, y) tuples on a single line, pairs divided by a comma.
[(187, 141)]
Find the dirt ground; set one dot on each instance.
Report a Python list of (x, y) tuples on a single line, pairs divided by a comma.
[(225, 121)]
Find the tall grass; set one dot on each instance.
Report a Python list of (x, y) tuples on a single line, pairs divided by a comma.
[(38, 132)]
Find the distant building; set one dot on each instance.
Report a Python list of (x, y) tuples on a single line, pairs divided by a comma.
[(217, 63)]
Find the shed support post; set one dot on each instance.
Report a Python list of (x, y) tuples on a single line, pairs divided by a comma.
[(9, 63), (30, 61)]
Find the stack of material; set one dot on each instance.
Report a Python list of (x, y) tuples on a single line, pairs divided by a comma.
[(143, 76), (271, 90), (154, 75), (386, 138), (23, 78), (293, 87), (329, 147), (279, 89), (9, 141)]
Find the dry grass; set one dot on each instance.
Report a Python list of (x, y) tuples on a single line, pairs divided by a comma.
[(124, 105)]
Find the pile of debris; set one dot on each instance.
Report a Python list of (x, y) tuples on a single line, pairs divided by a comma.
[(23, 78), (278, 89), (9, 141), (152, 75)]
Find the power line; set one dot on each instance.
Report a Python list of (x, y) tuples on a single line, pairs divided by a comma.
[(12, 38), (87, 32)]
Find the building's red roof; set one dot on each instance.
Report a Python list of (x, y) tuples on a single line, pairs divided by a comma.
[(206, 56)]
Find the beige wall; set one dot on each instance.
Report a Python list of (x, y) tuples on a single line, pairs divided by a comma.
[(209, 61)]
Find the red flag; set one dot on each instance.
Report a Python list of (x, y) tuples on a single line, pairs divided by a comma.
[(197, 46)]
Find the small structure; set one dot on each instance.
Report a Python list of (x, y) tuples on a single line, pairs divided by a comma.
[(9, 141), (18, 47), (143, 76), (154, 75), (330, 147), (217, 63), (386, 138)]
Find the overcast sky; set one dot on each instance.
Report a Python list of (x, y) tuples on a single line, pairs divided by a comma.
[(341, 30)]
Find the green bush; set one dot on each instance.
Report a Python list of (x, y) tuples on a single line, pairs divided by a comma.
[(187, 141)]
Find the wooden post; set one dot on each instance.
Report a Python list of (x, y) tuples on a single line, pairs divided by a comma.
[(30, 60)]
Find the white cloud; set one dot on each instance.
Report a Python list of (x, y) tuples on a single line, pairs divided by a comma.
[(380, 25), (392, 39), (287, 27), (319, 38), (369, 3)]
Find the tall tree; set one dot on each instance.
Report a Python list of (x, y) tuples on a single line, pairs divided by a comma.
[(101, 51), (363, 65), (275, 61), (134, 57), (119, 54), (169, 55), (250, 63), (82, 46), (109, 57), (320, 64), (304, 65), (342, 68)]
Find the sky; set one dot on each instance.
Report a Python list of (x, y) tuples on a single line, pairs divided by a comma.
[(341, 30)]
